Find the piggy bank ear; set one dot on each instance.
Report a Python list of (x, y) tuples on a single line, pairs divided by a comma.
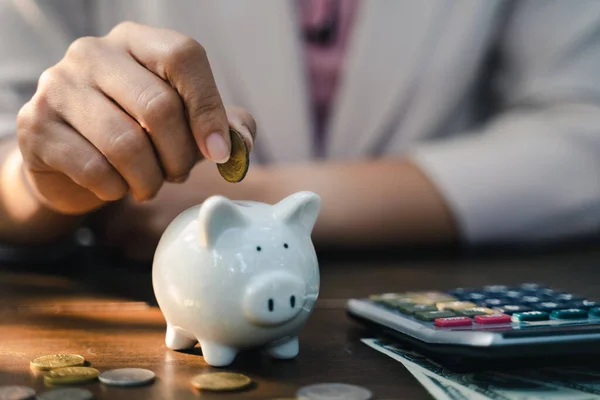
[(300, 208), (217, 214)]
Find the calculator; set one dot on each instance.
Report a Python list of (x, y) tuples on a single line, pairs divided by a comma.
[(491, 325)]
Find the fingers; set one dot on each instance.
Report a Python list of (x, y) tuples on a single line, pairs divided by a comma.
[(62, 149), (243, 122), (117, 137), (157, 108), (183, 62)]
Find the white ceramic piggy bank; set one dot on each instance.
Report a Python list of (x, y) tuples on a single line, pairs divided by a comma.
[(236, 274)]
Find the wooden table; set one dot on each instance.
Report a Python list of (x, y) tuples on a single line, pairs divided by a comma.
[(103, 310)]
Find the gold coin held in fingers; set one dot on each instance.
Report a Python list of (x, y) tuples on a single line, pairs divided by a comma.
[(69, 375), (53, 361), (221, 381), (235, 169)]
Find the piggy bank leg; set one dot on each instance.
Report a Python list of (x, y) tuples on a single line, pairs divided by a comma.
[(284, 350), (217, 355), (178, 339)]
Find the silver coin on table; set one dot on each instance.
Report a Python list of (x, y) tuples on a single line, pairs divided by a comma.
[(334, 391), (14, 392), (67, 394), (127, 377)]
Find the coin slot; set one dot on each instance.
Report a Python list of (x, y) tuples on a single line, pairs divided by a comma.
[(293, 301), (271, 305)]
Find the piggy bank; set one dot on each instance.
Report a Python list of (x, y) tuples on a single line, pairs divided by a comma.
[(232, 275)]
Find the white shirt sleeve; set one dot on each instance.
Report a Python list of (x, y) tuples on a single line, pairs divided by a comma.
[(532, 172)]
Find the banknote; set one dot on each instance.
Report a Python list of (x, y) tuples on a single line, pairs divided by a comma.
[(481, 385), (585, 379), (438, 389)]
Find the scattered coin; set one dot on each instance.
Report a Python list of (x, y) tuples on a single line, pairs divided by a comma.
[(221, 381), (235, 169), (127, 377), (334, 391), (53, 361), (67, 394), (15, 392), (69, 375)]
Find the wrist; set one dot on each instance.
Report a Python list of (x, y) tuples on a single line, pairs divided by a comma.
[(23, 216)]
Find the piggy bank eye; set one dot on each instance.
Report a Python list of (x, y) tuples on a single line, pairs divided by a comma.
[(258, 248), (285, 245)]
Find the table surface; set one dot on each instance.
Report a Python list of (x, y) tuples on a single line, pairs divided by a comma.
[(104, 311)]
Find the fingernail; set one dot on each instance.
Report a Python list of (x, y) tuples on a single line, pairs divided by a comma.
[(218, 148)]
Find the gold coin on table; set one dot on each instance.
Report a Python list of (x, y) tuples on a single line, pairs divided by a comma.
[(70, 375), (221, 381), (53, 361), (235, 169)]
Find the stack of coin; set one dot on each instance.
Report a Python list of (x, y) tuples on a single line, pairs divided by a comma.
[(71, 375), (68, 369), (53, 361), (64, 369)]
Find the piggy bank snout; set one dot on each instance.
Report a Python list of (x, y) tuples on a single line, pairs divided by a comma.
[(273, 298)]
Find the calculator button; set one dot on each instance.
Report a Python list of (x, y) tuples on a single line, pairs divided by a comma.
[(549, 306), (471, 312), (571, 313), (432, 315), (405, 308), (586, 304), (394, 299), (434, 296), (452, 321), (396, 302), (514, 295), (423, 300), (475, 296), (418, 298), (492, 319), (530, 299), (546, 293), (495, 288), (530, 316), (567, 297), (493, 302), (513, 308), (422, 307), (413, 308), (455, 305), (594, 312)]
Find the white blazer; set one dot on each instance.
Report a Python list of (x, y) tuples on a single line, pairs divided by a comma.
[(497, 101)]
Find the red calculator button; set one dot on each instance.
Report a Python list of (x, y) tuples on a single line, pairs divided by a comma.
[(492, 319), (452, 321)]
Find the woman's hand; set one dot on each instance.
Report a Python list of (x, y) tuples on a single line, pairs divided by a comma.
[(122, 114)]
